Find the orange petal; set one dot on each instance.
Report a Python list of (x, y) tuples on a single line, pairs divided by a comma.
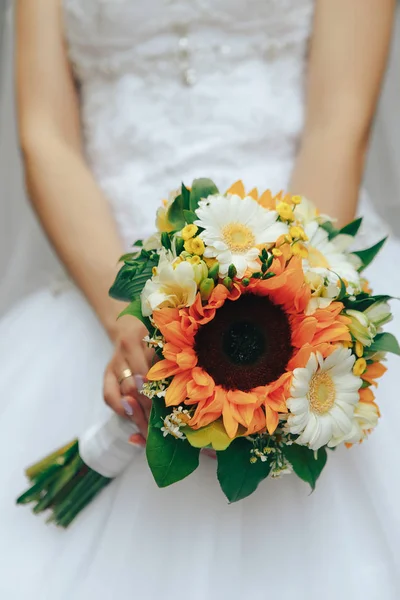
[(201, 377), (174, 333), (240, 397), (237, 189), (366, 395), (187, 359), (163, 369), (163, 316), (373, 371), (267, 200), (271, 418), (230, 423), (305, 332), (253, 193), (176, 392)]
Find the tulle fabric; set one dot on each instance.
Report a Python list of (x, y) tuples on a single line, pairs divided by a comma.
[(184, 541)]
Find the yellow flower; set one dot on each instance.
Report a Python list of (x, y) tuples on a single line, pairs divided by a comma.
[(285, 211), (194, 260), (195, 246), (298, 249), (296, 199), (359, 349), (298, 233), (276, 252), (210, 262), (189, 231), (359, 366)]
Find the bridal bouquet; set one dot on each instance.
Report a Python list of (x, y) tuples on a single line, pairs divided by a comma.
[(269, 345)]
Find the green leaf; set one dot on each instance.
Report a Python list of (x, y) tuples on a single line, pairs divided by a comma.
[(201, 188), (135, 310), (175, 213), (169, 459), (330, 229), (352, 228), (132, 277), (166, 240), (385, 342), (367, 256), (238, 477), (304, 463), (185, 197), (364, 301), (343, 290), (190, 217)]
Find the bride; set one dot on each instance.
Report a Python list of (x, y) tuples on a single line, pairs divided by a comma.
[(119, 101)]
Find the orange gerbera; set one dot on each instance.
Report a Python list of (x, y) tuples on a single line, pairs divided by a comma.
[(233, 357)]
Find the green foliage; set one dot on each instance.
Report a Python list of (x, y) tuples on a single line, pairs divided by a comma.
[(201, 188), (352, 228), (368, 255), (134, 309), (385, 342), (175, 213), (170, 459), (330, 229), (189, 216), (364, 301), (238, 477), (133, 275), (166, 240), (305, 462), (185, 197)]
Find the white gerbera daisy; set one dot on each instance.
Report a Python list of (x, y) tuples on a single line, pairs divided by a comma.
[(327, 259), (323, 397), (233, 227)]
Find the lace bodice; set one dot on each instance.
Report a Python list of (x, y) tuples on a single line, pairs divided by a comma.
[(175, 89)]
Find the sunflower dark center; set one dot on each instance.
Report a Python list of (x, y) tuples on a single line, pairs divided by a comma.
[(247, 344), (243, 343)]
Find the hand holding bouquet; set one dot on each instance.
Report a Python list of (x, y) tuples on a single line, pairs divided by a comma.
[(268, 339)]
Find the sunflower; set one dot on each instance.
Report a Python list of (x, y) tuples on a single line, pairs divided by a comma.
[(233, 358)]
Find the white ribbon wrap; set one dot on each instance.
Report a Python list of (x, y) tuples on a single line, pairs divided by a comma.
[(106, 449)]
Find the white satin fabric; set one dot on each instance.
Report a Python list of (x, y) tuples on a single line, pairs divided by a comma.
[(146, 128)]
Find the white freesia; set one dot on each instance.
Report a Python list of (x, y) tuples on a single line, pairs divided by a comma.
[(233, 228), (173, 285), (379, 313), (327, 259), (323, 397), (153, 242), (366, 417), (361, 328), (321, 295), (306, 212)]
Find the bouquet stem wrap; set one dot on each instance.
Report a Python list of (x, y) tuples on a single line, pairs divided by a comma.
[(105, 448), (69, 479)]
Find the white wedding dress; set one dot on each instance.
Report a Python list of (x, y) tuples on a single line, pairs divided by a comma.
[(172, 90)]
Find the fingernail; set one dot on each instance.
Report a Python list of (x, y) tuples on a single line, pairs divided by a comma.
[(127, 407), (137, 440), (139, 381)]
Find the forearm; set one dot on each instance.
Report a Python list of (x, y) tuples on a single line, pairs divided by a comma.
[(77, 220), (328, 170)]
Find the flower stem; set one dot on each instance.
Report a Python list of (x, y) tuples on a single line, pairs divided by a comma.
[(63, 483)]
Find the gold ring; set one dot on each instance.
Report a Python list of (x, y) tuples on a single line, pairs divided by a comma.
[(124, 375)]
